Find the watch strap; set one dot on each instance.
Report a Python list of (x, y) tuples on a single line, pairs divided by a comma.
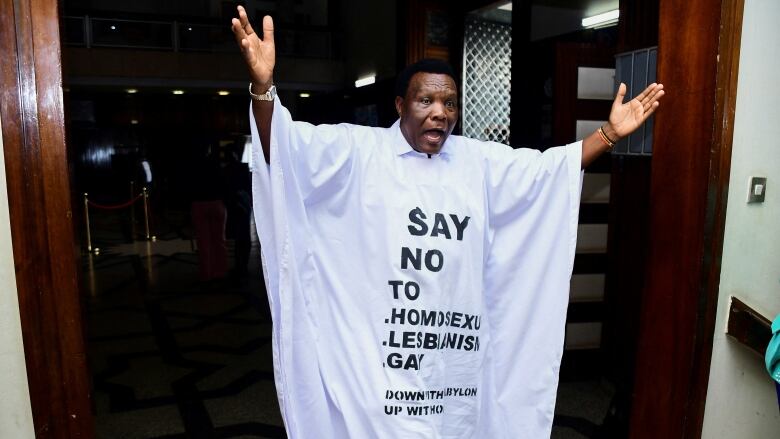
[(269, 95)]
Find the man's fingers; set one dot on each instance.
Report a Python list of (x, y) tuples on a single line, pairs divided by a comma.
[(621, 93), (242, 16), (268, 29), (650, 93), (243, 41), (641, 97), (651, 96), (238, 32), (245, 24), (650, 111), (653, 100), (619, 97)]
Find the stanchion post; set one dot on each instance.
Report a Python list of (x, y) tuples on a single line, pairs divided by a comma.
[(132, 210), (149, 236), (86, 220)]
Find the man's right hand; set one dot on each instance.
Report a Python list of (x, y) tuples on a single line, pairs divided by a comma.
[(260, 55)]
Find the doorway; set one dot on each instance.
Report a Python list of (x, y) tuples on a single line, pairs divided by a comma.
[(42, 209)]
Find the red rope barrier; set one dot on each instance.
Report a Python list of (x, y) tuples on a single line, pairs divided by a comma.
[(117, 206)]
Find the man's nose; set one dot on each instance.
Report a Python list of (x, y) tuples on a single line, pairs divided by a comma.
[(437, 111)]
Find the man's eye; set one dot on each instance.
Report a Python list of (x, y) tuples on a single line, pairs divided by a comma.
[(425, 101), (450, 104)]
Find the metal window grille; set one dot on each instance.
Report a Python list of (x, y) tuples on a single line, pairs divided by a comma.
[(487, 79), (637, 70)]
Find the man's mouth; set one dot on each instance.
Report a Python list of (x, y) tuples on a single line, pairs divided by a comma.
[(433, 136)]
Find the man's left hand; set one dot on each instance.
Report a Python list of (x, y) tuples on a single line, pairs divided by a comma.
[(625, 118)]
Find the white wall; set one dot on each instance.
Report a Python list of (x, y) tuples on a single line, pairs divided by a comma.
[(741, 399), (15, 413)]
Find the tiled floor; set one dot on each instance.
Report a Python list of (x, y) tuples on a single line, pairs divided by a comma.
[(172, 357)]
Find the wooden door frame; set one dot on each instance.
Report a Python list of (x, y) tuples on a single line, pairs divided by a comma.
[(39, 203), (689, 188), (688, 196)]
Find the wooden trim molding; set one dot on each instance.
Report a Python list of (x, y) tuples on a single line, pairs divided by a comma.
[(45, 259), (748, 327), (729, 37), (690, 176)]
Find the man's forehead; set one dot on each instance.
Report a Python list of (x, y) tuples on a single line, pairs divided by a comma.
[(433, 81)]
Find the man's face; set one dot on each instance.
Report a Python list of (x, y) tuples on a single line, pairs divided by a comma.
[(429, 111)]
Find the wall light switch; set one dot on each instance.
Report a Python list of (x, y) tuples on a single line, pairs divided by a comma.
[(757, 190)]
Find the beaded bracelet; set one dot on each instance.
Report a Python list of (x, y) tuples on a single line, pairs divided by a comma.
[(606, 139)]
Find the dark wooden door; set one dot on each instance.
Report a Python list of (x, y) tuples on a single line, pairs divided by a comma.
[(583, 357), (39, 203), (698, 55)]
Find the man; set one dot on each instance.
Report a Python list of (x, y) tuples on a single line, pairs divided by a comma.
[(418, 281)]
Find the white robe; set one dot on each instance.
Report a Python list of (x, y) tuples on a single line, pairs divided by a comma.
[(394, 315)]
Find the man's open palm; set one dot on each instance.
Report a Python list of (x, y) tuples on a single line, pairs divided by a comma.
[(259, 54), (625, 118)]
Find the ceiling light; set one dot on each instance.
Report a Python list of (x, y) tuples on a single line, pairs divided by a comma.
[(304, 95), (368, 80), (134, 122), (113, 27), (601, 20), (178, 92), (132, 91), (223, 92), (506, 7)]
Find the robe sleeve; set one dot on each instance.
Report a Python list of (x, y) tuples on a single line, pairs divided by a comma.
[(517, 178), (307, 163), (319, 156), (533, 200)]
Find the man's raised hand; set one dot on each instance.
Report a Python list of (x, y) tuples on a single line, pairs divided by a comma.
[(259, 54), (625, 118)]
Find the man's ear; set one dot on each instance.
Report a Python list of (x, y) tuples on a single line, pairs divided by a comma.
[(399, 103)]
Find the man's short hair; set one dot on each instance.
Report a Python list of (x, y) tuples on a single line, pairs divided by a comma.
[(428, 65)]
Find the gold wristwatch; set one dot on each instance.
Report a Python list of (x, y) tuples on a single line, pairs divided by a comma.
[(269, 95)]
